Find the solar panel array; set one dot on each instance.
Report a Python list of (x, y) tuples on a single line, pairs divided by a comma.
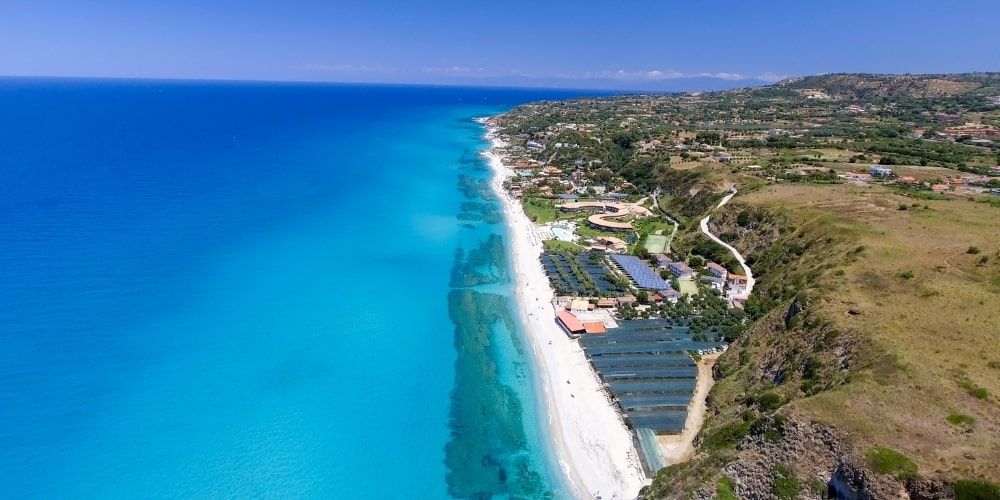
[(646, 366), (640, 272), (559, 268)]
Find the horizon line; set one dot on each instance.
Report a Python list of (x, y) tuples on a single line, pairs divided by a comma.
[(376, 83)]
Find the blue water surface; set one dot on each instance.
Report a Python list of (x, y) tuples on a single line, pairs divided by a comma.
[(240, 289)]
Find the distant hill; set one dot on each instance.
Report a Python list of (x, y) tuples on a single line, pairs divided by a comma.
[(678, 84), (862, 86)]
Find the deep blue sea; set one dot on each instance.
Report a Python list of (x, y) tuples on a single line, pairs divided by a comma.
[(248, 289)]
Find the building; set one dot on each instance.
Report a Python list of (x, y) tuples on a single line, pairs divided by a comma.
[(606, 303), (570, 323), (737, 285), (625, 299), (662, 261), (716, 270), (671, 296), (714, 282), (594, 327), (680, 270), (876, 171)]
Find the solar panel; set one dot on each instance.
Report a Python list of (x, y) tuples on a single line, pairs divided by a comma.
[(658, 401), (643, 275), (615, 373), (664, 421)]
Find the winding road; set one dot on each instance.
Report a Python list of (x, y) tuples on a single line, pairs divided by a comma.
[(736, 253)]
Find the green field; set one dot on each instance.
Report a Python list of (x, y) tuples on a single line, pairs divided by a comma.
[(688, 287), (656, 243)]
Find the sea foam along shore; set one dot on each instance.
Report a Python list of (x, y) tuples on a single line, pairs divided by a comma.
[(593, 446)]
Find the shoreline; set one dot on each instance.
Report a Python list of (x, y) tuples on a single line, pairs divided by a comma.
[(593, 447)]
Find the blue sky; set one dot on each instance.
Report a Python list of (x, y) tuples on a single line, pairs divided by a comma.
[(628, 44)]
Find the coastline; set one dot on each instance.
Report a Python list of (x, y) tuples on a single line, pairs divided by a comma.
[(594, 448)]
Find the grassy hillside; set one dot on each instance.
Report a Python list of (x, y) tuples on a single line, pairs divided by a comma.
[(878, 356)]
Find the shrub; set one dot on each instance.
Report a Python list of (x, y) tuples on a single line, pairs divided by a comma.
[(907, 275), (961, 420), (772, 429), (889, 461), (726, 436), (769, 401), (784, 483), (972, 250), (976, 490), (974, 390), (725, 489)]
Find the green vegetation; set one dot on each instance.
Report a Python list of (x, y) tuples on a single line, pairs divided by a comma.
[(540, 210), (988, 199), (726, 436), (725, 489), (561, 246), (890, 462), (784, 483), (976, 490), (769, 401), (974, 390), (960, 420)]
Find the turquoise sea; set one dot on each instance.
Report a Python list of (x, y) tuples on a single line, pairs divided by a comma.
[(247, 289)]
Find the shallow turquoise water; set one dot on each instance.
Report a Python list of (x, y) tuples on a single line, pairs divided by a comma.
[(253, 289)]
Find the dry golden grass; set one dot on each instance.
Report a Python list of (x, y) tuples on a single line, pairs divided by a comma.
[(931, 308)]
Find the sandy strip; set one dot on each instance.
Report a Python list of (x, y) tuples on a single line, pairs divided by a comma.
[(677, 448), (592, 444)]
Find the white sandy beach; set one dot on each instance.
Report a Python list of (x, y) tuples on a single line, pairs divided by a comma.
[(593, 445)]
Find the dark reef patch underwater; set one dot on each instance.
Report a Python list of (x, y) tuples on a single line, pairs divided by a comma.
[(496, 446)]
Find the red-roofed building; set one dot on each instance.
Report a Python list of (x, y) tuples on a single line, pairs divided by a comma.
[(570, 323), (595, 327)]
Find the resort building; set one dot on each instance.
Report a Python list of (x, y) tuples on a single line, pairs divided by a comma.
[(570, 323), (606, 211)]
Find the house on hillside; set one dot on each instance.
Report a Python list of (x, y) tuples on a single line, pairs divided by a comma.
[(662, 261), (736, 285), (680, 270), (671, 296), (716, 270), (876, 171), (714, 282)]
